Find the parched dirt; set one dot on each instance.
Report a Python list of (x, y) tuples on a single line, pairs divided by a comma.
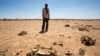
[(19, 37)]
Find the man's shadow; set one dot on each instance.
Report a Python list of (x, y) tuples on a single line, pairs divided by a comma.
[(42, 32)]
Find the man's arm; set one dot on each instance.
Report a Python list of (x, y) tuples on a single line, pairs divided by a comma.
[(43, 13), (48, 13)]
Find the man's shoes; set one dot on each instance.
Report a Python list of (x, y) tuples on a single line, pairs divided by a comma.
[(41, 32)]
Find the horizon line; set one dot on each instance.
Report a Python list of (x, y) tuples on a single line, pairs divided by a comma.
[(50, 18)]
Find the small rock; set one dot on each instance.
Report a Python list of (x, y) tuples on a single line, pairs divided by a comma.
[(69, 36), (61, 35), (54, 43), (15, 54), (32, 52), (38, 45), (89, 25), (67, 25), (96, 28), (53, 53), (41, 53), (22, 33), (68, 53), (49, 48), (83, 29), (60, 44), (81, 52)]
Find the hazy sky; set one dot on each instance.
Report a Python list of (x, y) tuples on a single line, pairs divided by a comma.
[(58, 8)]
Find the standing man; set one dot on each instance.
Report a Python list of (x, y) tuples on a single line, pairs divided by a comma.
[(46, 17)]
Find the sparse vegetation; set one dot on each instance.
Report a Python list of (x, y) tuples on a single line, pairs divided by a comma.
[(88, 41)]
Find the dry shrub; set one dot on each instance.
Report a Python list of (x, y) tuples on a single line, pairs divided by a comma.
[(88, 41)]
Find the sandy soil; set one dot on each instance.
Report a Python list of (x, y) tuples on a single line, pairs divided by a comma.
[(11, 42)]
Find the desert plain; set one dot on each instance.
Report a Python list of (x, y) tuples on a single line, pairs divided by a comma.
[(62, 36)]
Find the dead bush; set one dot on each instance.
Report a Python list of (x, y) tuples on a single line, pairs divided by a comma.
[(88, 41)]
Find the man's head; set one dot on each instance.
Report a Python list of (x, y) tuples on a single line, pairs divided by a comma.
[(46, 5)]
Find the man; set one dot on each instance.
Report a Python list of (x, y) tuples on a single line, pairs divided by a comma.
[(46, 17)]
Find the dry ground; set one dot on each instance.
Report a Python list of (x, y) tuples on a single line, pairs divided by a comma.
[(11, 42)]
